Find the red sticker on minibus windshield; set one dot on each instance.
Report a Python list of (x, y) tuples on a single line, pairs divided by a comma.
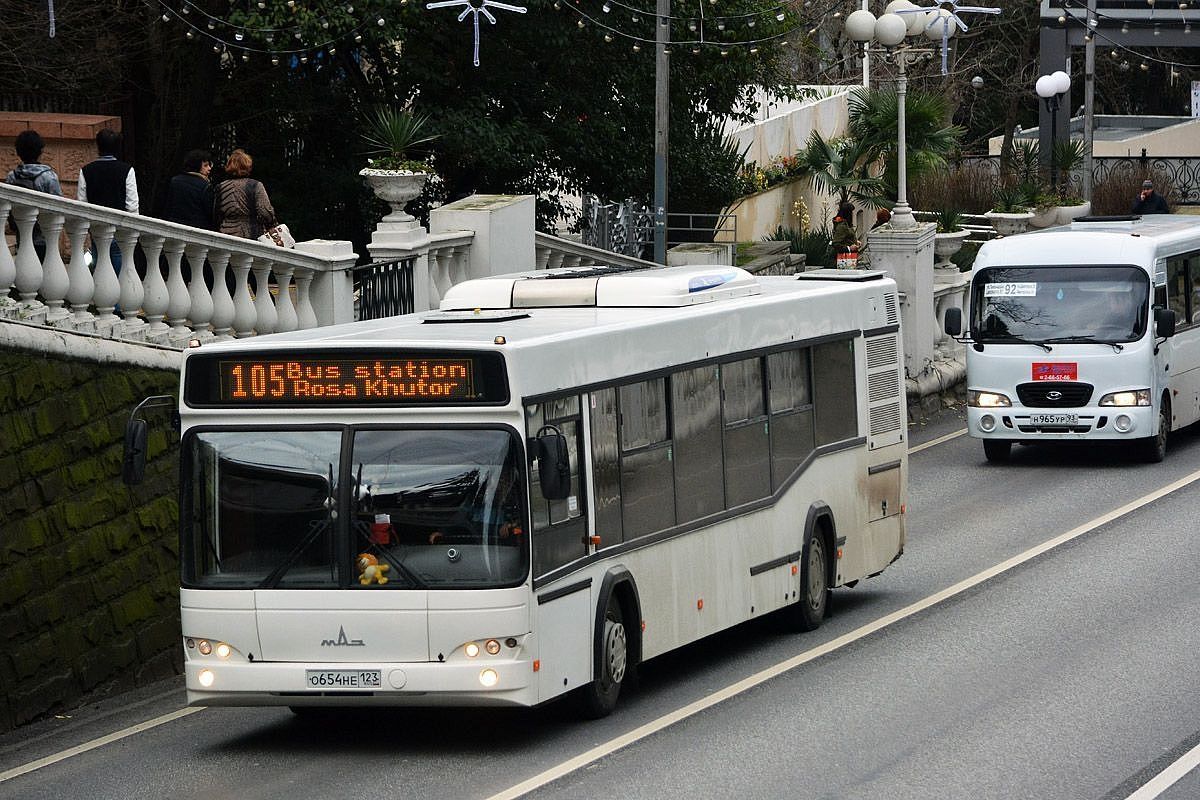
[(1068, 371)]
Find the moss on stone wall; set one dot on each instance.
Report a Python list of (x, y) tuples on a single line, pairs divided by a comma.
[(89, 599)]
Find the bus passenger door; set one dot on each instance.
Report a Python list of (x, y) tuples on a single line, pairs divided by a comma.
[(1181, 354)]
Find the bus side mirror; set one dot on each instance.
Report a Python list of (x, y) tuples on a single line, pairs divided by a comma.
[(554, 464), (133, 465), (1164, 322), (953, 322)]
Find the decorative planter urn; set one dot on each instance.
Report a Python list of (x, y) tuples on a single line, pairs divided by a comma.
[(396, 188), (946, 245), (1008, 223), (1068, 213)]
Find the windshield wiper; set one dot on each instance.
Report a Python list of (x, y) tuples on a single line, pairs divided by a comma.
[(1005, 338), (1116, 346)]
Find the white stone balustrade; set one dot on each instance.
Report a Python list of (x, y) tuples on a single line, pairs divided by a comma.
[(168, 308)]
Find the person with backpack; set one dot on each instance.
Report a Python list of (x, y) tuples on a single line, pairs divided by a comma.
[(34, 175)]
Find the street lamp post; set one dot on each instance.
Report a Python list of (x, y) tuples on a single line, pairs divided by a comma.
[(1051, 88), (890, 32)]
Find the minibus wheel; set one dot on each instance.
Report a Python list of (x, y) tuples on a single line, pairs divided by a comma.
[(1154, 448), (997, 450), (599, 697)]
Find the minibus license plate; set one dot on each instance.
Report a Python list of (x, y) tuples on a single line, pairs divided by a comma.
[(1054, 419), (342, 678)]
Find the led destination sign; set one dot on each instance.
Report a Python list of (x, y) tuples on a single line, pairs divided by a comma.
[(347, 379)]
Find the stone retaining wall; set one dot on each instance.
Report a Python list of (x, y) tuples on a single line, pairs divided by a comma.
[(89, 598)]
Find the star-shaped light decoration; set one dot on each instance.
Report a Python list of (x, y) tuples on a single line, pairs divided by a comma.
[(940, 19), (475, 8)]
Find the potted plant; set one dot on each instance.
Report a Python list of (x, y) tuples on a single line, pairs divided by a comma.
[(1010, 210), (949, 237), (391, 134)]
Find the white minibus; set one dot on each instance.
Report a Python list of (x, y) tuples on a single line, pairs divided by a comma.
[(553, 477), (1086, 332)]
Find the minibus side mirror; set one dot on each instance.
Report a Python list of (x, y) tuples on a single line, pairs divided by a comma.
[(133, 465), (1164, 322), (953, 322), (554, 463)]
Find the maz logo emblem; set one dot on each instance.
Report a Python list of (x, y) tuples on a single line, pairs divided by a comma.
[(341, 640), (1055, 395)]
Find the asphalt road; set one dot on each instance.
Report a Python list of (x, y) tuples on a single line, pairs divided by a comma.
[(1071, 674)]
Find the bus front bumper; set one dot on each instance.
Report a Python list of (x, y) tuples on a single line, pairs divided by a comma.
[(1018, 423), (265, 683)]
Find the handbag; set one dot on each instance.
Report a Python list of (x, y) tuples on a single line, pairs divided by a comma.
[(279, 236), (847, 260)]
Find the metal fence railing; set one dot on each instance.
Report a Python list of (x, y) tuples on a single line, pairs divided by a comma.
[(384, 289)]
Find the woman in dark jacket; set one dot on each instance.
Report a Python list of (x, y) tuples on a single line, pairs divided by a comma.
[(190, 195), (243, 208)]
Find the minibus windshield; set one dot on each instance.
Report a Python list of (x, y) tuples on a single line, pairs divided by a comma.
[(422, 508), (1105, 304)]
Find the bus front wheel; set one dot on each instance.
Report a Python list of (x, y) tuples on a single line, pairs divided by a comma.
[(1154, 448), (599, 697), (997, 450)]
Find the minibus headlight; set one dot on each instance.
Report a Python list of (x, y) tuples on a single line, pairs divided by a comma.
[(979, 399), (1133, 397)]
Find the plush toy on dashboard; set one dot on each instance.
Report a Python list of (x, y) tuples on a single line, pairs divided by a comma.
[(370, 570)]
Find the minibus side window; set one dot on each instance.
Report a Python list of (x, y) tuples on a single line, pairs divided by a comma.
[(1178, 291), (1193, 262)]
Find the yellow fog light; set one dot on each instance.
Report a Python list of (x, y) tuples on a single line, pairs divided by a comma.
[(205, 647), (223, 650), (206, 678), (492, 646), (489, 678), (472, 649)]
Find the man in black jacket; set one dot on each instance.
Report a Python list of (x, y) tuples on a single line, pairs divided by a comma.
[(190, 196), (109, 182), (1149, 201)]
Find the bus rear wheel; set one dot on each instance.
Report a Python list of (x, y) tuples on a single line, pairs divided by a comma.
[(808, 612), (599, 697), (997, 450), (1154, 448)]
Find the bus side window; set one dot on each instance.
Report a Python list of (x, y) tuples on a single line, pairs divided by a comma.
[(559, 526), (790, 393), (647, 477), (834, 393), (747, 447)]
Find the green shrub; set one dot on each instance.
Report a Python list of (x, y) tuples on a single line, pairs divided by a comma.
[(815, 244)]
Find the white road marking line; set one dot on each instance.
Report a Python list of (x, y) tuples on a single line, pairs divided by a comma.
[(654, 726), (92, 745), (939, 440), (1167, 778)]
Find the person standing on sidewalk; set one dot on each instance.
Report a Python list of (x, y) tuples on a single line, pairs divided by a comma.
[(109, 182)]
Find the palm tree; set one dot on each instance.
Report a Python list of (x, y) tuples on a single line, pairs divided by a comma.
[(874, 119), (841, 166)]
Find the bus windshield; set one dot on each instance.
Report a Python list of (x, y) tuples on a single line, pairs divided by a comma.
[(1042, 305), (423, 508)]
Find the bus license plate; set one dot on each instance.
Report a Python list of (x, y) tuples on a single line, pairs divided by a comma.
[(342, 678), (1054, 419)]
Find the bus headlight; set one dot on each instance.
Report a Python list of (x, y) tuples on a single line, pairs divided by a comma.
[(489, 678), (472, 649), (206, 678), (1132, 397), (979, 399)]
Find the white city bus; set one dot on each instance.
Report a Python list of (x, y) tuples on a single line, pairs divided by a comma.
[(1085, 332), (553, 477)]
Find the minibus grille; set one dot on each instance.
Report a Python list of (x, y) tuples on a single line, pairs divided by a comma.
[(1054, 394)]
